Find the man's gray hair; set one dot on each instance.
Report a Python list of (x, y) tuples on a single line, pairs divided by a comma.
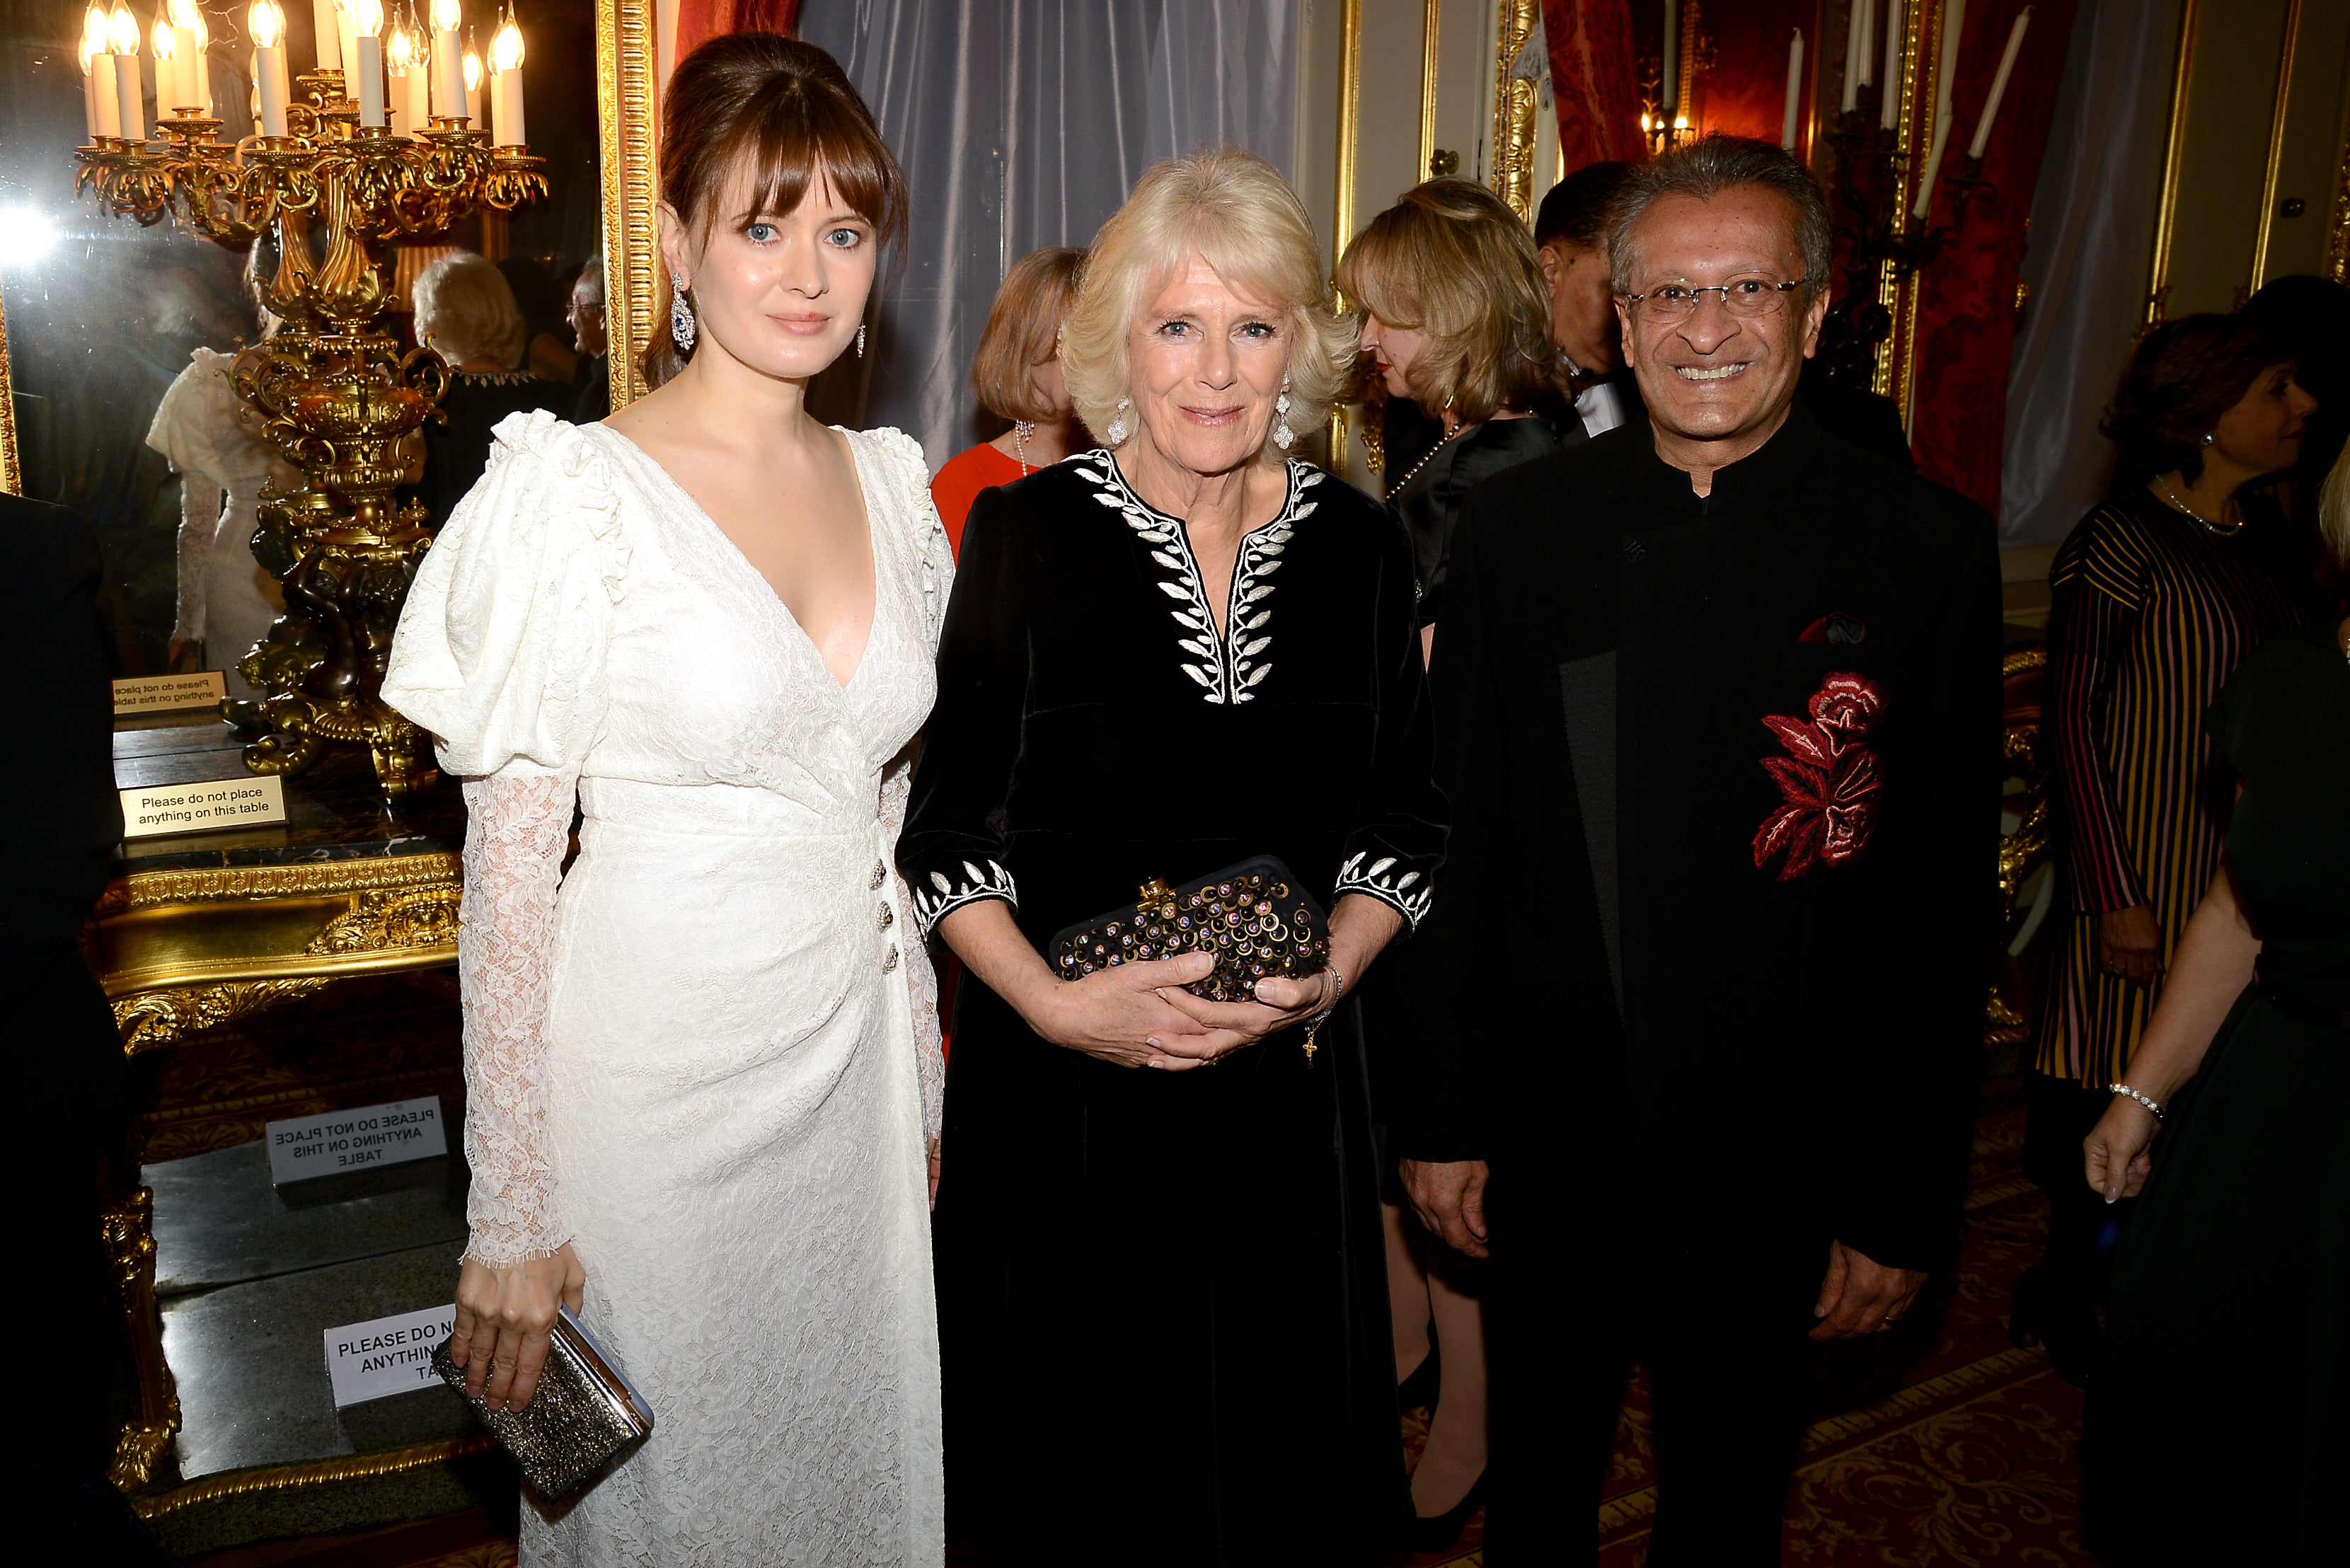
[(590, 281), (1708, 166)]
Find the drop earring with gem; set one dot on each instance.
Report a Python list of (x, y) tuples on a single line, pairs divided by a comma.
[(1116, 433), (1282, 434), (682, 327)]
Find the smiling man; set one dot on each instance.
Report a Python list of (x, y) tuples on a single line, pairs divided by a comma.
[(1718, 707)]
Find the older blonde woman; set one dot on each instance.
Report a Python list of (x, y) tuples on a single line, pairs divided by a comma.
[(1163, 1295), (465, 312)]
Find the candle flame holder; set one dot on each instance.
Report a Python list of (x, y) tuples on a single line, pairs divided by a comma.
[(333, 390)]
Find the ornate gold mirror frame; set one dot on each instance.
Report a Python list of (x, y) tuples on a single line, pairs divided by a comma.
[(628, 94), (11, 475)]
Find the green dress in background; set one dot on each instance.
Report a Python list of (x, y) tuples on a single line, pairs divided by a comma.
[(2219, 1428)]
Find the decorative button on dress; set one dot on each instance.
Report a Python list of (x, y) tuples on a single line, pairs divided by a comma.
[(706, 1059)]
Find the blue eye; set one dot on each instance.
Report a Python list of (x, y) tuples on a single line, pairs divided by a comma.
[(1259, 329), (760, 234), (844, 239), (1176, 329)]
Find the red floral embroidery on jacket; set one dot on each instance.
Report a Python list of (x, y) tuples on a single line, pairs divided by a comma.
[(1828, 781)]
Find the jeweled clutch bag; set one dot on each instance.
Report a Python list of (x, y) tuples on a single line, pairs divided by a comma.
[(583, 1413), (1254, 917)]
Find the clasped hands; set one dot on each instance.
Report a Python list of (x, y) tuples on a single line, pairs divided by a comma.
[(1139, 1015), (1857, 1295)]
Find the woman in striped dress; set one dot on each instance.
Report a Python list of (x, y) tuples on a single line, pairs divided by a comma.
[(2158, 593)]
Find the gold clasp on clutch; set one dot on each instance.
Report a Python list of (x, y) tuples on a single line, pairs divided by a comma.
[(1154, 891)]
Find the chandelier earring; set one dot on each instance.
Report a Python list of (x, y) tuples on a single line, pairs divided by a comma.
[(860, 341), (1117, 432), (682, 327), (1282, 434)]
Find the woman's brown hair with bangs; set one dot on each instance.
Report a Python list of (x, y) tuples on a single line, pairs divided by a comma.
[(787, 111), (1023, 331), (1452, 260)]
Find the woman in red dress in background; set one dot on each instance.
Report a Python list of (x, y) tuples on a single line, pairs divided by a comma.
[(1017, 375)]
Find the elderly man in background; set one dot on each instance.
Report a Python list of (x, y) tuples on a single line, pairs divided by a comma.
[(1718, 708)]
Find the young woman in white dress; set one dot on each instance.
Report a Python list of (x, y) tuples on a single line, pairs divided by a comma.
[(702, 1063)]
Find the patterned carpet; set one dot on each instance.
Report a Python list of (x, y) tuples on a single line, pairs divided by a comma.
[(1938, 1444)]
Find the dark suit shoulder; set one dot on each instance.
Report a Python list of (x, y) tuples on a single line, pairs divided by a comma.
[(1893, 494)]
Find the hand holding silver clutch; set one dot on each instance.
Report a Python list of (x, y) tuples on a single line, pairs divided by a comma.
[(584, 1413)]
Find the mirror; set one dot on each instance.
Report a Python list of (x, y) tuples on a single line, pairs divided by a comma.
[(116, 333)]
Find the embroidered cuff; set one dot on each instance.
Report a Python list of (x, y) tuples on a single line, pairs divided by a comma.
[(934, 902), (1409, 893)]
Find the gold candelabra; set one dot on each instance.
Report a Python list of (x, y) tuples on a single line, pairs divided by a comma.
[(334, 392)]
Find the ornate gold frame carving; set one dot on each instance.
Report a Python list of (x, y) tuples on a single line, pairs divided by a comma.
[(128, 1225), (2158, 284), (629, 98), (1350, 85), (183, 950), (282, 1478), (2337, 232), (1515, 104), (2276, 147), (1431, 15), (11, 472)]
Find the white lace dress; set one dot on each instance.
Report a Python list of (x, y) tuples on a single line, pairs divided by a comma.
[(225, 600), (707, 1058)]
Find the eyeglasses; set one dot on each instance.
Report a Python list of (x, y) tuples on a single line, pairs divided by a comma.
[(1747, 298)]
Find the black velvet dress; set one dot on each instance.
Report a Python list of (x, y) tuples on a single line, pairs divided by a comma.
[(1163, 1295)]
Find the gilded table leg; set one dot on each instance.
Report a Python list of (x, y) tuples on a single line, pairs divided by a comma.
[(129, 1229)]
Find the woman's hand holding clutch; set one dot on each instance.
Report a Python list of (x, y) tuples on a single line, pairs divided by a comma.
[(504, 1319)]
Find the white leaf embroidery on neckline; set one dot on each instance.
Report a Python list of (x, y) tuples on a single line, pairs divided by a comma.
[(1231, 666)]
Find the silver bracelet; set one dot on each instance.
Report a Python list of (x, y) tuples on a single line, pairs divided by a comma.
[(2146, 1100)]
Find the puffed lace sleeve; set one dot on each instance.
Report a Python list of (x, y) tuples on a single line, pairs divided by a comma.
[(187, 430), (500, 654)]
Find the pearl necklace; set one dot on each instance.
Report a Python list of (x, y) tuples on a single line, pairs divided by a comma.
[(2218, 530), (1397, 488)]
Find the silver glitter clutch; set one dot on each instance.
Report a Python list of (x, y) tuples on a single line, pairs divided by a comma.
[(583, 1414)]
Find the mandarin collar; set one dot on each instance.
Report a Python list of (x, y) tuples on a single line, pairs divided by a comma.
[(1754, 478)]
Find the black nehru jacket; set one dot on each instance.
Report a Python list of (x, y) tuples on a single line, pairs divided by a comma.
[(60, 822), (1648, 1002)]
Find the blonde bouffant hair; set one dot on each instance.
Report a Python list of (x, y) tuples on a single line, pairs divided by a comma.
[(1238, 214), (2334, 508), (1452, 260), (465, 309)]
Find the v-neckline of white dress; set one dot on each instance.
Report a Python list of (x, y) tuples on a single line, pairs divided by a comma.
[(730, 549)]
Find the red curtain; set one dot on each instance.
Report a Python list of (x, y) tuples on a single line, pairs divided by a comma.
[(698, 21), (1593, 79), (1967, 312)]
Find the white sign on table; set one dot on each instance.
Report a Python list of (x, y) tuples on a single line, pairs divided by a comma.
[(329, 1145), (168, 693), (152, 809), (386, 1355)]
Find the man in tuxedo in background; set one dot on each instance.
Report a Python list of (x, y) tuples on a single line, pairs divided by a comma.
[(1718, 710), (60, 822), (1571, 238)]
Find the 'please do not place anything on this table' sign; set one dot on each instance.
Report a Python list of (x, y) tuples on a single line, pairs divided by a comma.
[(338, 1141)]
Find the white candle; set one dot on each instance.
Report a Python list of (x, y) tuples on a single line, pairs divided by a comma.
[(187, 64), (105, 107), (1794, 90), (472, 68), (1852, 61), (1933, 168), (505, 99), (160, 46), (368, 53), (1954, 24), (1672, 58), (448, 64), (346, 39), (266, 25), (1891, 117), (122, 31), (204, 64), (1864, 28), (329, 33), (1999, 83)]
